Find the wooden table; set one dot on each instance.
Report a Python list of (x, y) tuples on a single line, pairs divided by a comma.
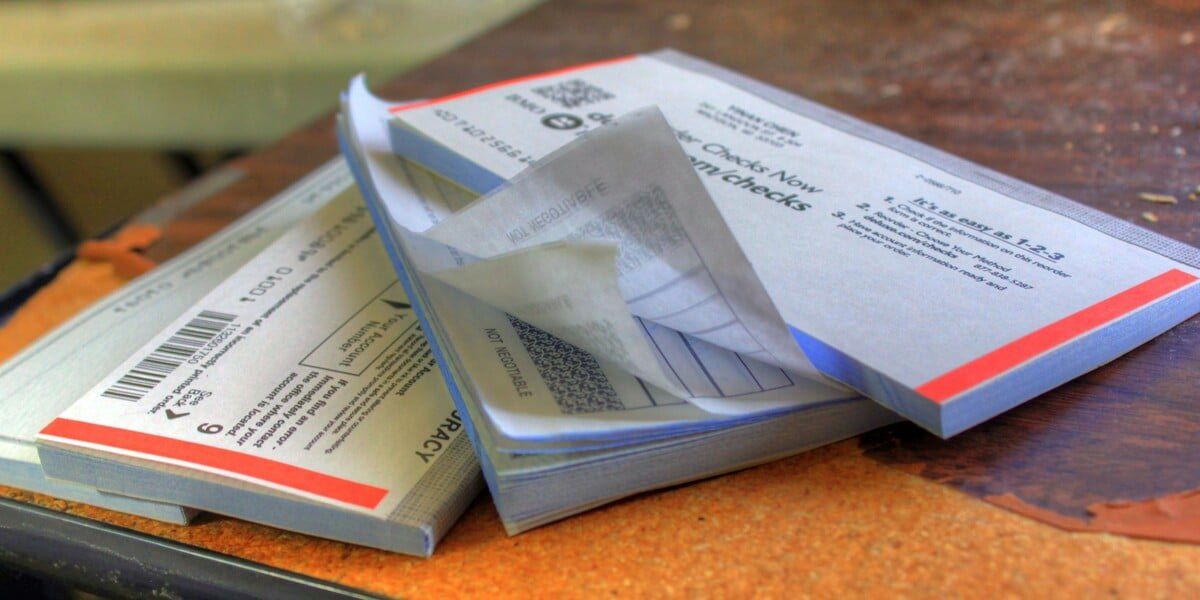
[(1094, 101)]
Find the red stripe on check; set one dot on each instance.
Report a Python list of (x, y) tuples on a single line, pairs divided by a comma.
[(515, 80), (948, 385), (319, 484)]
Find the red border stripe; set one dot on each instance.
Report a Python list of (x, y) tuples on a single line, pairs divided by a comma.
[(320, 484), (950, 384), (513, 81)]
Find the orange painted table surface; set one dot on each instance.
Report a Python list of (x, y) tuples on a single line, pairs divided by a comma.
[(1100, 102)]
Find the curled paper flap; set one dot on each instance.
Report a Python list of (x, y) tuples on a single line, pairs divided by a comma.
[(608, 243), (676, 263)]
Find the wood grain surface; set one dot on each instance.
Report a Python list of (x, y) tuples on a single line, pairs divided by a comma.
[(1097, 101)]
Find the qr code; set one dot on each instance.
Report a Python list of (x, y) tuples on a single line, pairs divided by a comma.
[(573, 376), (573, 93)]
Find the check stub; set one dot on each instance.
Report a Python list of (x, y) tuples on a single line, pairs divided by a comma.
[(305, 372)]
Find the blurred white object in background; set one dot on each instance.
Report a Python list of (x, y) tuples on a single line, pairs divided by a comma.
[(109, 104), (192, 73)]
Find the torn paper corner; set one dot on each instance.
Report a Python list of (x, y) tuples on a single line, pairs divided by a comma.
[(1174, 517)]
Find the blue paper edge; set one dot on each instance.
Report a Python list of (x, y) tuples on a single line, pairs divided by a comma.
[(420, 149), (1032, 378)]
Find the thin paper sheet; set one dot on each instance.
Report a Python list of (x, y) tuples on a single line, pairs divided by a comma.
[(676, 263), (575, 280)]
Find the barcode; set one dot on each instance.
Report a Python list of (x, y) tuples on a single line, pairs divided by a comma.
[(168, 356)]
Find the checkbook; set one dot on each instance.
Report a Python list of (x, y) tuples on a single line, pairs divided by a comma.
[(300, 393), (53, 372), (651, 269)]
